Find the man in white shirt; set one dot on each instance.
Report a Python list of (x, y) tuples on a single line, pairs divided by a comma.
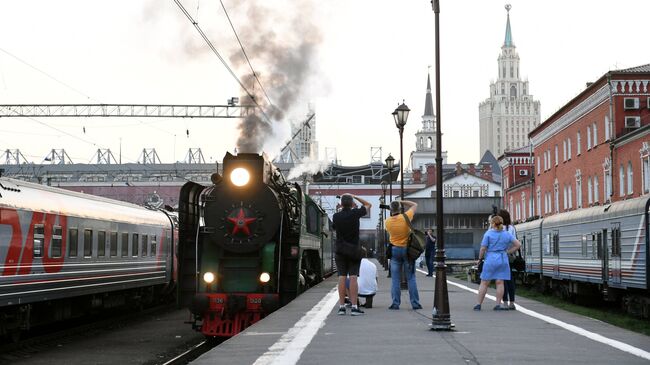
[(367, 281)]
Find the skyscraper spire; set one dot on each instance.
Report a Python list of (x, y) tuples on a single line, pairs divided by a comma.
[(508, 41)]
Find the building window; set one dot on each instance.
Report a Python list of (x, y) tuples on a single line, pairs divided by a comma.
[(578, 189), (537, 165), (539, 201), (607, 176), (564, 151), (568, 148), (565, 195), (556, 196), (596, 193), (590, 195), (606, 128), (556, 156), (588, 138), (512, 71), (595, 134), (621, 181), (513, 91), (645, 168), (630, 179), (578, 144)]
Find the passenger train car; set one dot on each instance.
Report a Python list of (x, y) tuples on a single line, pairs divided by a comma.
[(63, 253), (599, 250), (248, 244)]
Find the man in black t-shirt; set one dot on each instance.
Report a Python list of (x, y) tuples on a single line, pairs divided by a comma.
[(346, 224)]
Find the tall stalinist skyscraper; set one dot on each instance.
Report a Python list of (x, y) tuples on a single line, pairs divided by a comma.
[(510, 113)]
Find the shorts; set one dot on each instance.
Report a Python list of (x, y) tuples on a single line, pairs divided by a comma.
[(346, 267)]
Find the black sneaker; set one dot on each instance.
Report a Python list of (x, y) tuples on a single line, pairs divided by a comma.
[(341, 311), (356, 312)]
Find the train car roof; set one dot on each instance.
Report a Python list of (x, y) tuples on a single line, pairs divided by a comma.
[(607, 211), (19, 194)]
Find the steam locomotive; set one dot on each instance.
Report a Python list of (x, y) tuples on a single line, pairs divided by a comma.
[(601, 251), (248, 244), (63, 254)]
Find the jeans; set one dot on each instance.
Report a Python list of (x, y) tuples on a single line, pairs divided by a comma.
[(428, 258), (398, 261)]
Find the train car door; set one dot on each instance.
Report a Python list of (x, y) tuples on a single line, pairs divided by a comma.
[(555, 250), (601, 241), (615, 256)]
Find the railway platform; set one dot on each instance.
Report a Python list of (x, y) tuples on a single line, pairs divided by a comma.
[(309, 331)]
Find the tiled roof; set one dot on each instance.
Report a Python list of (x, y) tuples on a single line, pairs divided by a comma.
[(637, 69)]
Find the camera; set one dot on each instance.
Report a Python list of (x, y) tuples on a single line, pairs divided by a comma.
[(384, 206)]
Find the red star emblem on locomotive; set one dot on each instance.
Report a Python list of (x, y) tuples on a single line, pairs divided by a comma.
[(241, 223)]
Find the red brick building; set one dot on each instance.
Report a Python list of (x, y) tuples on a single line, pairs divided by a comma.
[(517, 169), (592, 151)]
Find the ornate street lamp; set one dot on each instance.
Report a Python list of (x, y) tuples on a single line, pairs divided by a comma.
[(400, 115), (382, 255), (441, 316), (390, 164)]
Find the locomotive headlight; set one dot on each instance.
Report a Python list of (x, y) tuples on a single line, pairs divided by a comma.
[(208, 277), (265, 277), (240, 176)]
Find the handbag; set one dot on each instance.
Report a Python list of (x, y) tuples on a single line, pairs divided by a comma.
[(351, 251), (519, 263), (415, 244), (389, 251), (479, 268)]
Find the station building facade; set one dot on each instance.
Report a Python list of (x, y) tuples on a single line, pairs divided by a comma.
[(593, 151)]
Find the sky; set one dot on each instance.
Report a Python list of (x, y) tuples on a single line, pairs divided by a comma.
[(352, 60)]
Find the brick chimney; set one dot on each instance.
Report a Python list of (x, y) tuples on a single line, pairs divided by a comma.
[(472, 169), (431, 174), (459, 169), (417, 176)]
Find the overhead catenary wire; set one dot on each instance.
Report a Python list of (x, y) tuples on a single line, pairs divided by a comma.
[(223, 61), (245, 54)]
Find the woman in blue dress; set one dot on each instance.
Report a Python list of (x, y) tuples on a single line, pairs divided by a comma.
[(496, 245)]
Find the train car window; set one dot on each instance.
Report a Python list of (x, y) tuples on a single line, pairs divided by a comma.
[(312, 219), (101, 243), (529, 246), (113, 244), (39, 237), (556, 243), (125, 244), (73, 240), (88, 242), (56, 241), (134, 249), (594, 246), (145, 244), (153, 245), (599, 245), (584, 246)]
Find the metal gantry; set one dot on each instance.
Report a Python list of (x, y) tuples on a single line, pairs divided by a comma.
[(125, 110)]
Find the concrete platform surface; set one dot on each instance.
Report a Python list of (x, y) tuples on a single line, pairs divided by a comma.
[(309, 331)]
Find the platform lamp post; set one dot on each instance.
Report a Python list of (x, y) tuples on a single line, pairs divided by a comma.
[(400, 115), (441, 317), (384, 261), (390, 164)]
